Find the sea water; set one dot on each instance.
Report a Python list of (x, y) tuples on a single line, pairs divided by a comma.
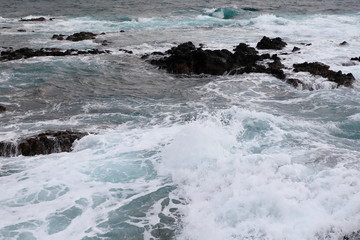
[(181, 156)]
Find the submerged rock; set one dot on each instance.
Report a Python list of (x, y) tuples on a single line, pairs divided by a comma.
[(81, 36), (39, 19), (271, 43), (76, 37), (320, 69), (58, 36), (21, 53), (44, 143), (2, 109)]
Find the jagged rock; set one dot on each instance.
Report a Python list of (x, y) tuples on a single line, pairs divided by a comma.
[(244, 55), (320, 69), (44, 143), (40, 19), (271, 43), (296, 49), (11, 54), (81, 36), (186, 59), (2, 109)]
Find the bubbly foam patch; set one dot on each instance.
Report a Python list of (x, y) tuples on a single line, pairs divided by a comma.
[(251, 177)]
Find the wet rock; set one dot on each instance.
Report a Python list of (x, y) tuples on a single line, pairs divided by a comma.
[(320, 69), (76, 37), (296, 49), (271, 43), (165, 219), (2, 109), (187, 59), (163, 233), (58, 36), (21, 30), (126, 51), (244, 55), (10, 54), (39, 19), (355, 59), (344, 43), (44, 143), (306, 44), (105, 43), (298, 83)]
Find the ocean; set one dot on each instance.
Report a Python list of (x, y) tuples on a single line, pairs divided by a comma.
[(176, 156)]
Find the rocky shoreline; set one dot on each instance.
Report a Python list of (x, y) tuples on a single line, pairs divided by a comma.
[(182, 59)]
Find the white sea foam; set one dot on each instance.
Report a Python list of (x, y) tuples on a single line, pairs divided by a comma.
[(246, 178)]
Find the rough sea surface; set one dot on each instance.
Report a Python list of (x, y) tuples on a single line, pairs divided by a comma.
[(193, 157)]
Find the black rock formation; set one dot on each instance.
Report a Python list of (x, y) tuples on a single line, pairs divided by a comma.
[(44, 143), (76, 37), (81, 36), (39, 19), (2, 109), (187, 59), (11, 54), (271, 43), (320, 69)]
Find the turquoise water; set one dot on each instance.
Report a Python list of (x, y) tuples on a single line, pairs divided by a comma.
[(173, 156)]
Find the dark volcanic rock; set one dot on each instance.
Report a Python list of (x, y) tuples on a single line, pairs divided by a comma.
[(271, 43), (11, 54), (81, 36), (296, 49), (186, 59), (356, 59), (40, 19), (2, 109), (320, 69), (58, 36), (44, 143)]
